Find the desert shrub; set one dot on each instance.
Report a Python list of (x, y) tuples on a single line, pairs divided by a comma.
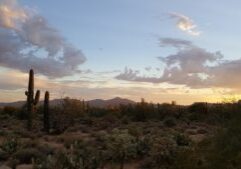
[(125, 120), (10, 145), (198, 107), (3, 155), (182, 140), (18, 112), (3, 133), (4, 116), (143, 146), (68, 141), (202, 131), (46, 163), (221, 151), (224, 151), (127, 110), (87, 157), (100, 136), (61, 160), (65, 160), (121, 146), (23, 133), (45, 149), (73, 107), (97, 112), (29, 143), (162, 154), (80, 156), (10, 110), (166, 110), (135, 130), (190, 158), (141, 111), (25, 156), (108, 122), (22, 113), (198, 111), (169, 122), (13, 163), (35, 144), (219, 113), (59, 122)]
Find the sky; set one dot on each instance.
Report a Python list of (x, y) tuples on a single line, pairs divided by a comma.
[(181, 50)]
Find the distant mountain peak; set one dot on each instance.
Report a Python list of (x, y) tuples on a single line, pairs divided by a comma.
[(117, 98), (110, 102)]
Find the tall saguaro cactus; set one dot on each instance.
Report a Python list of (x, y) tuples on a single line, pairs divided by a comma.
[(46, 112), (31, 100)]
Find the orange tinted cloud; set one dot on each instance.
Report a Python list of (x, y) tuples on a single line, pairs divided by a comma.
[(185, 24), (11, 14)]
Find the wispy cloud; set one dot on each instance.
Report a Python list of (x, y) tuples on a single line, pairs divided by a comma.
[(176, 43), (28, 41), (185, 24)]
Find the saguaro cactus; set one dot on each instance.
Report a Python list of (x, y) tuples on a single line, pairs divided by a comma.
[(31, 100), (46, 112)]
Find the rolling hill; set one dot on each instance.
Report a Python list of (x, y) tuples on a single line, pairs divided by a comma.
[(94, 103)]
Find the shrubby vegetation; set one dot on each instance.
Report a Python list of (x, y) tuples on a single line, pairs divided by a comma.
[(144, 135)]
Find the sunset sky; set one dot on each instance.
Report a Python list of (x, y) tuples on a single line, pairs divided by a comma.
[(160, 50)]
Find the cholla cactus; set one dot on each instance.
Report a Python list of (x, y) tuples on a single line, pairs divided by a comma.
[(31, 100)]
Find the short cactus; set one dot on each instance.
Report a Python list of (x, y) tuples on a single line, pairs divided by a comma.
[(31, 100)]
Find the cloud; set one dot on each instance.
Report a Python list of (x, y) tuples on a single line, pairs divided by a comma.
[(193, 67), (28, 41), (148, 68), (12, 80), (133, 75), (176, 43), (185, 24), (10, 14), (190, 67), (226, 74)]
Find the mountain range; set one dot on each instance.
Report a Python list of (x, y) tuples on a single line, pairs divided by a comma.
[(94, 103)]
